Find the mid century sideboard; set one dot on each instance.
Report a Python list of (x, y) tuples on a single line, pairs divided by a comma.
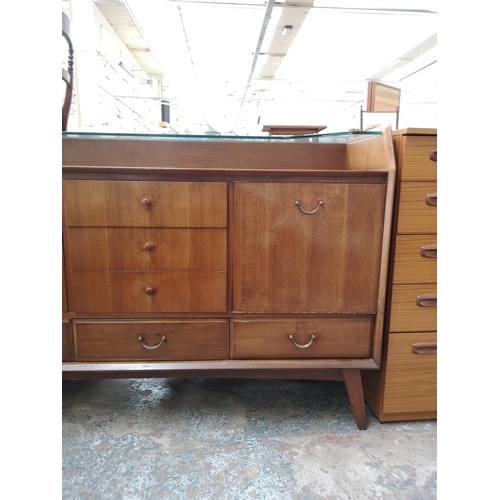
[(211, 256)]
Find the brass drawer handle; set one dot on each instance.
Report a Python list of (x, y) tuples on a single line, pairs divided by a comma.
[(305, 211), (151, 347), (433, 155), (150, 290), (148, 247), (146, 202), (305, 346), (427, 300), (431, 200), (429, 251), (424, 348)]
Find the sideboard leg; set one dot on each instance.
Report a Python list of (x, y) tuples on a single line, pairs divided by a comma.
[(352, 379)]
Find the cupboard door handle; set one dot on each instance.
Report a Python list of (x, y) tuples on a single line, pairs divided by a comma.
[(305, 211), (151, 347), (148, 247), (427, 300), (305, 346), (146, 202), (433, 155), (431, 200), (150, 290), (429, 251), (424, 348)]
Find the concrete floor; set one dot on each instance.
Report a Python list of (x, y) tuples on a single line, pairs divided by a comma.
[(236, 439)]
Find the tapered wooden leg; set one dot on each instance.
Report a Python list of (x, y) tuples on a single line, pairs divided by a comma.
[(352, 379)]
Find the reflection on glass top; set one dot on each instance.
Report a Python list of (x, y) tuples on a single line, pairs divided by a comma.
[(328, 138)]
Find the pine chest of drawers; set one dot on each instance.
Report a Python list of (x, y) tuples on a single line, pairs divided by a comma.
[(226, 257), (405, 388)]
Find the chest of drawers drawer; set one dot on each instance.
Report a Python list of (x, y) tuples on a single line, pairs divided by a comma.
[(122, 291), (415, 259), (418, 158), (109, 340), (411, 375), (66, 343), (413, 308), (153, 249), (305, 338), (417, 208), (145, 204)]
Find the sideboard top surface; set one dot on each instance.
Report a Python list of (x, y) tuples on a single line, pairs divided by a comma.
[(277, 155)]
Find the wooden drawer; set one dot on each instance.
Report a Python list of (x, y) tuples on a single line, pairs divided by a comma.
[(270, 339), (415, 259), (67, 354), (411, 375), (99, 248), (413, 308), (417, 208), (176, 291), (109, 340), (415, 162), (145, 204)]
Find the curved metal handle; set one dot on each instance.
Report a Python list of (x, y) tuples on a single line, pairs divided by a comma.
[(151, 347), (427, 300), (150, 290), (433, 155), (148, 247), (305, 211), (431, 200), (147, 202), (429, 251), (305, 346)]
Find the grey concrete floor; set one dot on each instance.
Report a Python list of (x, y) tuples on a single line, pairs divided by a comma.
[(236, 439)]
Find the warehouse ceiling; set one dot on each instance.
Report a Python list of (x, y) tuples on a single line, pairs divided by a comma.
[(235, 64)]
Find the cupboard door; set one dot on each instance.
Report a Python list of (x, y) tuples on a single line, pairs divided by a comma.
[(286, 260)]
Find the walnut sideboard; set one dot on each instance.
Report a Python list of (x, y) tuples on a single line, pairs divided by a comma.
[(211, 256), (406, 386)]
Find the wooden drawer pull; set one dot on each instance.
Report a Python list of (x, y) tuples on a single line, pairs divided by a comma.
[(148, 247), (305, 211), (150, 290), (433, 155), (429, 251), (151, 347), (305, 346), (427, 300), (431, 200), (424, 348), (146, 202)]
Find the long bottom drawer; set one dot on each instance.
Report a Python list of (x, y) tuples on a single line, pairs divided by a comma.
[(114, 340), (411, 373), (308, 338)]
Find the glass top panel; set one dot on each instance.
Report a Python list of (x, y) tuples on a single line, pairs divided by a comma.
[(329, 138)]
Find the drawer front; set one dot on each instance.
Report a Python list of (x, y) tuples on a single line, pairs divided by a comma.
[(98, 249), (67, 354), (270, 339), (416, 164), (176, 291), (413, 308), (145, 204), (411, 374), (167, 340), (415, 259), (417, 208)]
